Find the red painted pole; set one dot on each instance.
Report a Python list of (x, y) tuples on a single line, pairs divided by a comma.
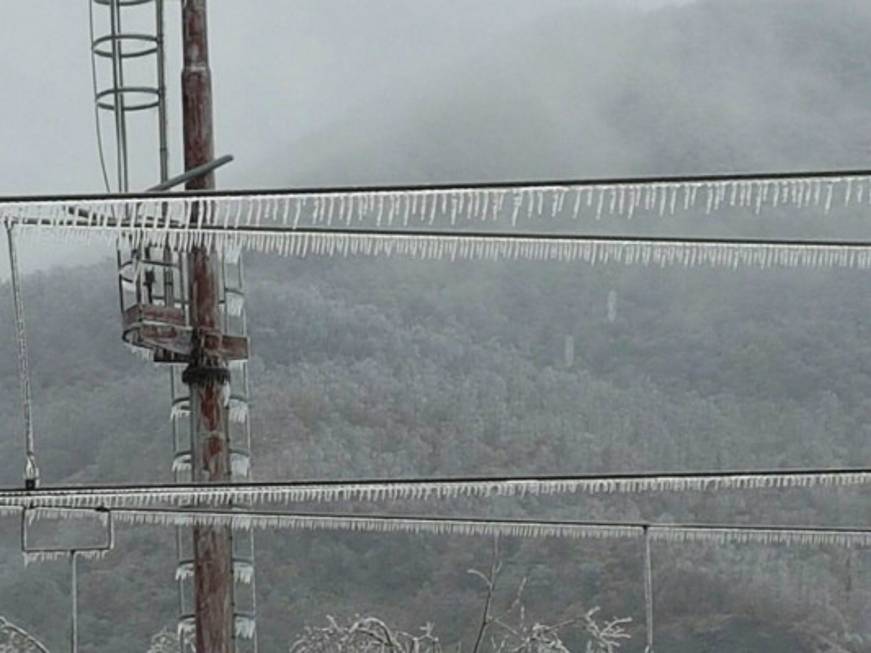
[(207, 372)]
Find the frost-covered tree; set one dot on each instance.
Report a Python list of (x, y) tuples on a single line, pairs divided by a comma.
[(166, 641), (509, 630), (14, 639)]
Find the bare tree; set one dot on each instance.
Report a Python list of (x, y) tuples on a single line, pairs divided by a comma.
[(364, 635), (500, 631), (512, 632)]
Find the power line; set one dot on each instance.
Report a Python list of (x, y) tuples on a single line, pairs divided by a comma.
[(301, 222), (117, 496), (31, 469), (810, 176), (110, 223), (247, 519)]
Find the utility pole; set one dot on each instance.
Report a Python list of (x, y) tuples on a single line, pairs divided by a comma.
[(207, 372)]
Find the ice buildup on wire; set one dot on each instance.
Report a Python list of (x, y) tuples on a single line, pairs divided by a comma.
[(245, 627), (413, 525), (422, 490), (275, 222)]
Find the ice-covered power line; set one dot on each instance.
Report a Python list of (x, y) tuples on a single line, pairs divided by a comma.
[(422, 221), (783, 187), (31, 469), (426, 489), (247, 519)]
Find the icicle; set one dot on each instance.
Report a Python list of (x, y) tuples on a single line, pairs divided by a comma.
[(245, 627), (362, 491), (93, 554), (243, 571), (829, 194), (238, 410), (476, 528), (186, 628), (235, 303), (36, 557), (774, 536), (141, 353), (224, 220), (240, 464), (181, 463)]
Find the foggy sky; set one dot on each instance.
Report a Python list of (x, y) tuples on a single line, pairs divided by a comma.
[(284, 72)]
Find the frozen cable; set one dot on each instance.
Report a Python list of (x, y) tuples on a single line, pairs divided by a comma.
[(246, 520), (428, 489), (31, 470), (99, 132), (648, 591)]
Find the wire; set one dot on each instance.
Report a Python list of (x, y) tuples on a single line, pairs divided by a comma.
[(117, 496), (613, 182), (85, 219), (99, 131), (31, 470), (93, 220), (247, 519), (648, 590)]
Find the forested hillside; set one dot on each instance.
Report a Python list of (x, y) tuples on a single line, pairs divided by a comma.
[(395, 368)]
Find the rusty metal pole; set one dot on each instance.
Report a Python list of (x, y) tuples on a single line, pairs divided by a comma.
[(207, 372)]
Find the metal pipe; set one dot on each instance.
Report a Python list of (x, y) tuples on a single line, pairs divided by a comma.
[(74, 590), (161, 90), (193, 173), (648, 591)]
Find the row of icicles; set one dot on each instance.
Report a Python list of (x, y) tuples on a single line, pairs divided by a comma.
[(277, 223), (675, 533), (425, 205), (417, 490), (452, 247)]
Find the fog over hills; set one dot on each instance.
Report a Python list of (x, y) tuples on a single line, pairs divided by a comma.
[(391, 367)]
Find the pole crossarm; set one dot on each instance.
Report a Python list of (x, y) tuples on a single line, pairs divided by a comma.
[(426, 489)]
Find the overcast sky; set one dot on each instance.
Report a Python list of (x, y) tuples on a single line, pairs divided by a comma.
[(284, 73), (269, 57)]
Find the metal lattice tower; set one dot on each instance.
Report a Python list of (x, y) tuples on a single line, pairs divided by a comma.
[(129, 82)]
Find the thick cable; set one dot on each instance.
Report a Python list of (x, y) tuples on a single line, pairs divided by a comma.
[(243, 518), (99, 131), (648, 591), (532, 185), (423, 489), (31, 469)]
